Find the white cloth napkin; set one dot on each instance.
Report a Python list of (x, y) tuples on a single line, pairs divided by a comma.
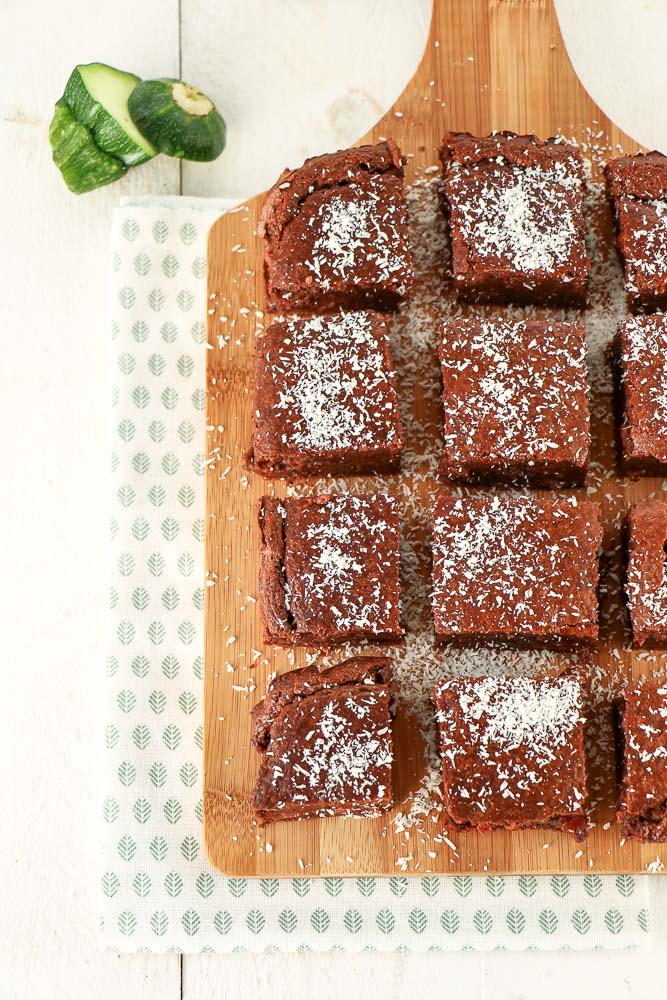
[(158, 890)]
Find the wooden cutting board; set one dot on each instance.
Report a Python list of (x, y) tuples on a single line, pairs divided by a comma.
[(488, 64)]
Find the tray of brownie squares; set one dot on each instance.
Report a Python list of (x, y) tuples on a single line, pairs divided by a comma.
[(515, 539)]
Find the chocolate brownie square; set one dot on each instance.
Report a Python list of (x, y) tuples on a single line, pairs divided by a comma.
[(329, 569), (518, 571), (642, 761), (646, 580), (637, 186), (640, 353), (336, 233), (516, 219), (513, 753), (514, 402), (325, 400), (326, 742)]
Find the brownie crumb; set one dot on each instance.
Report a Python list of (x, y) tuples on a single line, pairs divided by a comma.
[(640, 355), (646, 581), (637, 187), (514, 402), (516, 570), (326, 742), (516, 217), (513, 753), (325, 399), (329, 569), (642, 756), (336, 233)]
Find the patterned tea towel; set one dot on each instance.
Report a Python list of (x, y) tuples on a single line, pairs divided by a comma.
[(158, 890)]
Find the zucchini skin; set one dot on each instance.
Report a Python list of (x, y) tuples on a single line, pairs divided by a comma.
[(83, 165), (60, 123), (109, 133), (171, 129)]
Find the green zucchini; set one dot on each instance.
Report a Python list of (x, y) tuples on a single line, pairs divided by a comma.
[(177, 119), (60, 124), (82, 163), (97, 96)]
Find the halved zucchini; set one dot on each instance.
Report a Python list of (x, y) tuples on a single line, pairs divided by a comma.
[(177, 119), (97, 96), (82, 163)]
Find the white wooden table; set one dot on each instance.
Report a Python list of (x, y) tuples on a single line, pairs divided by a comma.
[(292, 78)]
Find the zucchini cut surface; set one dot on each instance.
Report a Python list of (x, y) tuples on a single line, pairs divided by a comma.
[(97, 96)]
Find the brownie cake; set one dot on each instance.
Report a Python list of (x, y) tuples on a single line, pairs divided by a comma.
[(637, 187), (640, 353), (336, 233), (329, 569), (646, 581), (325, 400), (326, 742), (513, 753), (519, 571), (514, 402), (516, 219), (642, 761)]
